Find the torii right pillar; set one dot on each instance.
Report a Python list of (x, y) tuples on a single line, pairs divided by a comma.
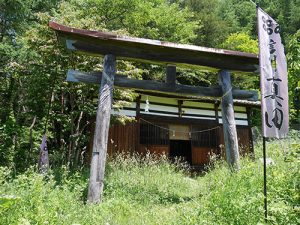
[(229, 126)]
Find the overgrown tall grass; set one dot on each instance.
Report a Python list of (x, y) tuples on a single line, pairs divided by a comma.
[(153, 191)]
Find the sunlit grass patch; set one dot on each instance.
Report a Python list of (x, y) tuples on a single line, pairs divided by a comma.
[(151, 190)]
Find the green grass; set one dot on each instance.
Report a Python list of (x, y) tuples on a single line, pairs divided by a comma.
[(153, 191)]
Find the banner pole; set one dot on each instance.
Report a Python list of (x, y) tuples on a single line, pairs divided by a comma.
[(264, 138), (265, 180)]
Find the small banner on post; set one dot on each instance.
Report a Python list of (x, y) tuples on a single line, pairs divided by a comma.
[(44, 158), (273, 78)]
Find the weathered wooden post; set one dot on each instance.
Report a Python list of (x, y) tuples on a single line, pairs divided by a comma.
[(101, 130), (229, 127)]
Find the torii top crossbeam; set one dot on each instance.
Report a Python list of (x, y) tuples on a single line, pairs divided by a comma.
[(147, 50)]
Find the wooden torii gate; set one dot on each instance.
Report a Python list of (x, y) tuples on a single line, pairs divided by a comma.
[(166, 53)]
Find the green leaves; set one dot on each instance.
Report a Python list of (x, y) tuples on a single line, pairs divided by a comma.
[(7, 200), (241, 42), (163, 22), (293, 58), (155, 19)]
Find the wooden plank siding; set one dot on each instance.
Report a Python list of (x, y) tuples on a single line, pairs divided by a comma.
[(201, 155), (244, 141), (245, 146), (204, 144), (122, 138)]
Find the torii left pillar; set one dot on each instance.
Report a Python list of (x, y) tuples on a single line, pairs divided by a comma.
[(101, 130)]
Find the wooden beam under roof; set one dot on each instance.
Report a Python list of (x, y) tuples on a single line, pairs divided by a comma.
[(152, 86), (153, 51)]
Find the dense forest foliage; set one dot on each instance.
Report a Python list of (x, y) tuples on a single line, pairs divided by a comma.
[(35, 98)]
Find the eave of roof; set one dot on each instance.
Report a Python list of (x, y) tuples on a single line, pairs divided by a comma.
[(154, 51), (237, 102)]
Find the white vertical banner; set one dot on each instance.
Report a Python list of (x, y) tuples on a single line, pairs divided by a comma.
[(273, 78)]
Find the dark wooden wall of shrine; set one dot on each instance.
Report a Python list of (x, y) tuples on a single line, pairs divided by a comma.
[(126, 139), (123, 138), (244, 139)]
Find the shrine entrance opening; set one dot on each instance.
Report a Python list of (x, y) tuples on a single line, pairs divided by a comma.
[(181, 149)]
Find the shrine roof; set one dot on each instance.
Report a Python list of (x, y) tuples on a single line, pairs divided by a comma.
[(154, 51)]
